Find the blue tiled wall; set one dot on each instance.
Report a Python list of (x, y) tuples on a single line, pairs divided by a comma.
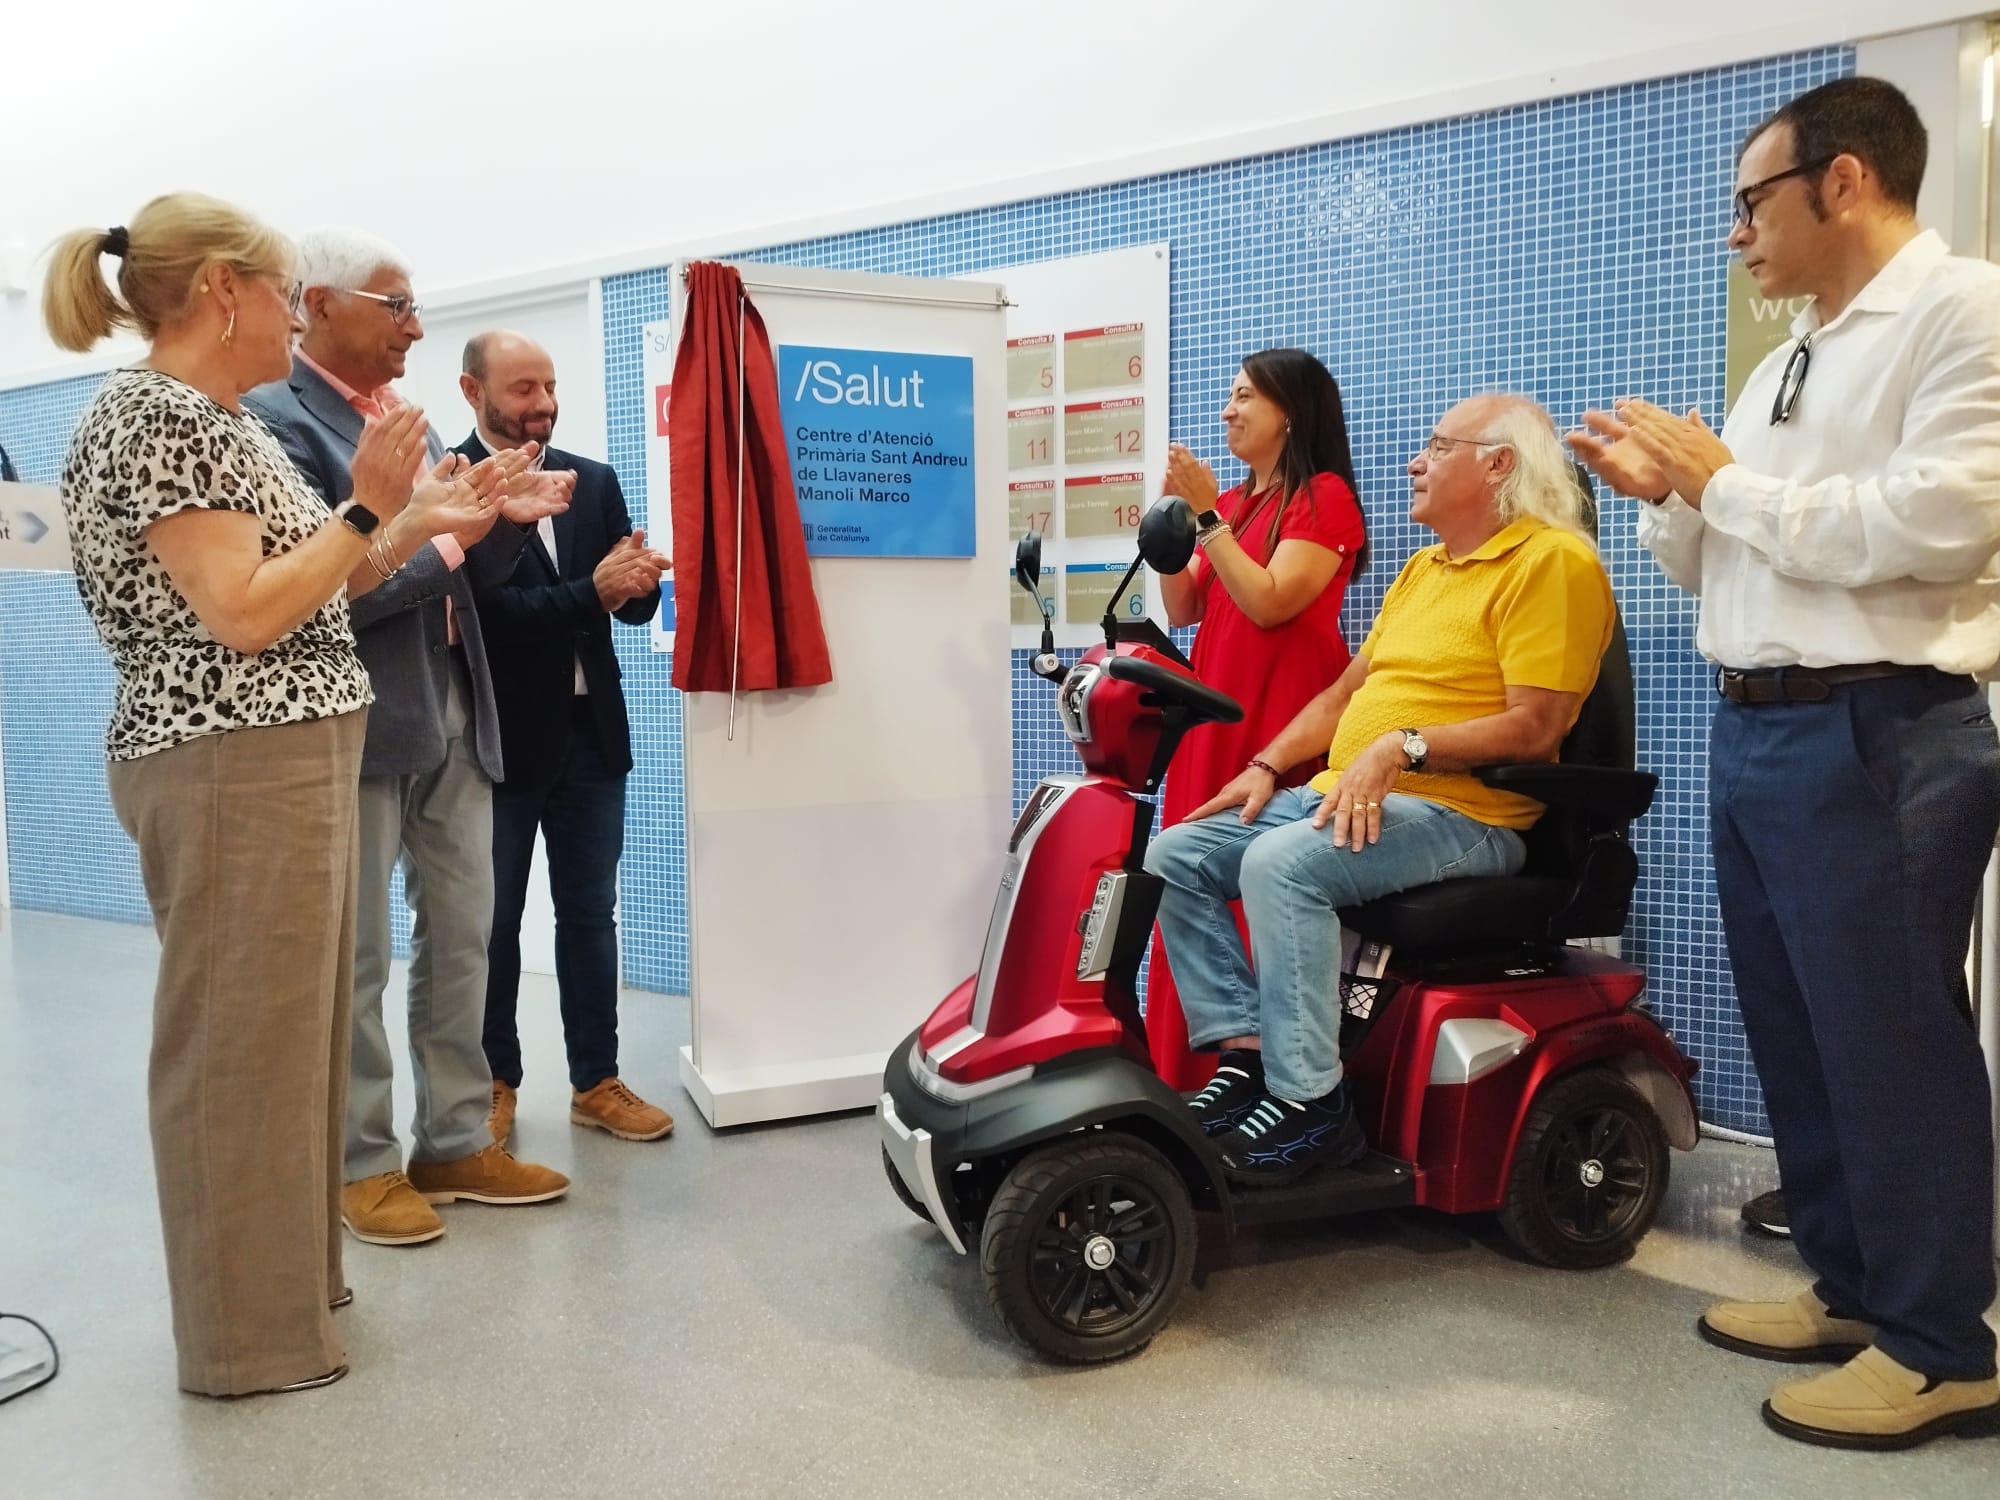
[(1571, 249)]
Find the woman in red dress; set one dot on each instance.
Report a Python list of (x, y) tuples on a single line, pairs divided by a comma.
[(1276, 556)]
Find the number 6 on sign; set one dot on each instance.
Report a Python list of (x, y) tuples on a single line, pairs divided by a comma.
[(1088, 590)]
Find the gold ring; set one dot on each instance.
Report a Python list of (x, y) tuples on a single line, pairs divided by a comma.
[(1372, 804), (399, 453)]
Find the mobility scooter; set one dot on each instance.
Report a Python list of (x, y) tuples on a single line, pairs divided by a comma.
[(1495, 1066)]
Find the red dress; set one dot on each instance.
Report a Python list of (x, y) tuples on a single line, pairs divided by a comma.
[(1273, 673)]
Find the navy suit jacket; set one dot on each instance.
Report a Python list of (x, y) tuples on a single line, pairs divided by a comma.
[(399, 625), (545, 618)]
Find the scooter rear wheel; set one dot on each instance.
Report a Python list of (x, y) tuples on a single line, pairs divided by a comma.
[(1588, 1174), (1088, 1246)]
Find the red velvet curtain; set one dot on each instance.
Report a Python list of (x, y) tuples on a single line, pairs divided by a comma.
[(746, 614)]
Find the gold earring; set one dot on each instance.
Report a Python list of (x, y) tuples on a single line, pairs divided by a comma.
[(229, 332)]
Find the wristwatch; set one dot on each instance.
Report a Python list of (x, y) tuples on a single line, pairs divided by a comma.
[(359, 518), (1206, 522), (1416, 749)]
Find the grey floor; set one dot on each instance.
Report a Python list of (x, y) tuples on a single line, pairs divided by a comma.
[(752, 1314)]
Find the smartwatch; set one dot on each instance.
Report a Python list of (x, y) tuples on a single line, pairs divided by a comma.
[(1416, 749), (1206, 522), (358, 518)]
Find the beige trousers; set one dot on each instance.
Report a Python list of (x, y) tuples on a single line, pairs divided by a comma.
[(247, 844)]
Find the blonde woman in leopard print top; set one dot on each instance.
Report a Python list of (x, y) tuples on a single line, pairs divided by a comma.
[(218, 581)]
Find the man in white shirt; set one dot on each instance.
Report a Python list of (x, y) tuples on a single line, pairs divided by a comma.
[(1842, 533)]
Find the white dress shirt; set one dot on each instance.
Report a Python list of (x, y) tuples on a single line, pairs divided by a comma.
[(544, 528), (1867, 527)]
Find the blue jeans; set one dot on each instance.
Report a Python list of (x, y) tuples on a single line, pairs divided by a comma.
[(580, 813), (1850, 840), (1292, 882)]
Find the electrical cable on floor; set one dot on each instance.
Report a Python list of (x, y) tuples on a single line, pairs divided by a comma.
[(23, 1369)]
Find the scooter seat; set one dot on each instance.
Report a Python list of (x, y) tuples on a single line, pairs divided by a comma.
[(1480, 914)]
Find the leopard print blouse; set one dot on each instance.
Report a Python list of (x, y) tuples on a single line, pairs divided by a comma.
[(149, 447)]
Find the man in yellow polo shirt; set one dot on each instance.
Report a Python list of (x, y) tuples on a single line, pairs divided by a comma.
[(1483, 652)]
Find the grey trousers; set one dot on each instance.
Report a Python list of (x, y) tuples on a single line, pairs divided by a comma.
[(439, 826), (246, 843)]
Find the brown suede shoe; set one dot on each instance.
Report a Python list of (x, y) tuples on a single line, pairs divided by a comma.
[(613, 1107), (1798, 1331), (489, 1176), (385, 1210), (501, 1121), (1874, 1402)]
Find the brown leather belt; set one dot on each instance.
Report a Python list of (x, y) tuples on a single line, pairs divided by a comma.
[(1806, 684)]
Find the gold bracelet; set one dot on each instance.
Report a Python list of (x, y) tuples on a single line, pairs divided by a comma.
[(378, 559), (376, 563)]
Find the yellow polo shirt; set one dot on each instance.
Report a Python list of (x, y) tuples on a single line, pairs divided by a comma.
[(1530, 608)]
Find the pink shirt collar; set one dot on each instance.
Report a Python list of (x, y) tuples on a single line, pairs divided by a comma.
[(384, 399)]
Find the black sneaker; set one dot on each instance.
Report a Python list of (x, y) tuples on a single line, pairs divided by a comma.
[(1766, 1214), (1277, 1141), (1237, 1085)]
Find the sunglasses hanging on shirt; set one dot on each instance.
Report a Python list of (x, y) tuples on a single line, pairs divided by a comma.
[(1792, 381)]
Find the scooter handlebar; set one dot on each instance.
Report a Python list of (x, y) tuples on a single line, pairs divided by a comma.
[(1190, 693)]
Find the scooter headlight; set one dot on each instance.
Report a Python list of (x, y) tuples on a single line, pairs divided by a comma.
[(1073, 701)]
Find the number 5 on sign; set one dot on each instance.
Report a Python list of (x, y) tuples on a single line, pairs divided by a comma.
[(1031, 368)]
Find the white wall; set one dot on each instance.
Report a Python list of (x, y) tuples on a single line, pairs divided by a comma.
[(499, 137)]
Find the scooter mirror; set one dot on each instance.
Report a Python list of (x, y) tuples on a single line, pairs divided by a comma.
[(1028, 563), (1166, 535)]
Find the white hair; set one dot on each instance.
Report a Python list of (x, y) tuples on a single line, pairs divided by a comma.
[(1542, 483), (344, 258)]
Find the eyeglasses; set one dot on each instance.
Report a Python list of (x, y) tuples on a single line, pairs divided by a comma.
[(401, 307), (1792, 381), (1440, 445), (294, 290), (1741, 207)]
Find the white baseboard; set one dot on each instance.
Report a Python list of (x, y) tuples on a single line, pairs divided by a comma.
[(784, 1091)]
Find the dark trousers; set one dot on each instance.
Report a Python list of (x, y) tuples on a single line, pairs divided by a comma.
[(1850, 840), (579, 808)]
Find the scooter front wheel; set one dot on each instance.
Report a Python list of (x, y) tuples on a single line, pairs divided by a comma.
[(1088, 1246)]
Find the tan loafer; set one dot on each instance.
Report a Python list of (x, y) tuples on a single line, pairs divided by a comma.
[(1875, 1403), (386, 1210), (613, 1107), (1799, 1330), (489, 1176)]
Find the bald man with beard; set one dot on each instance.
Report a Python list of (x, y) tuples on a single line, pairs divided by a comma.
[(564, 735)]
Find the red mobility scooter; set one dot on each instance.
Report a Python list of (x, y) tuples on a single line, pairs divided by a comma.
[(1495, 1066)]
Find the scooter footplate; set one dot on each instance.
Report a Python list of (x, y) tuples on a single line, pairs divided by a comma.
[(1374, 1182)]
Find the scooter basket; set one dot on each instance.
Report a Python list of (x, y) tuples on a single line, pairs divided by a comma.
[(1362, 1002)]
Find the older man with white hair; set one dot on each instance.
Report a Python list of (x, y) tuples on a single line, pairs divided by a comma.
[(429, 763), (1483, 651)]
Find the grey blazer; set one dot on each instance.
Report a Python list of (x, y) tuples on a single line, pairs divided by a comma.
[(400, 625)]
